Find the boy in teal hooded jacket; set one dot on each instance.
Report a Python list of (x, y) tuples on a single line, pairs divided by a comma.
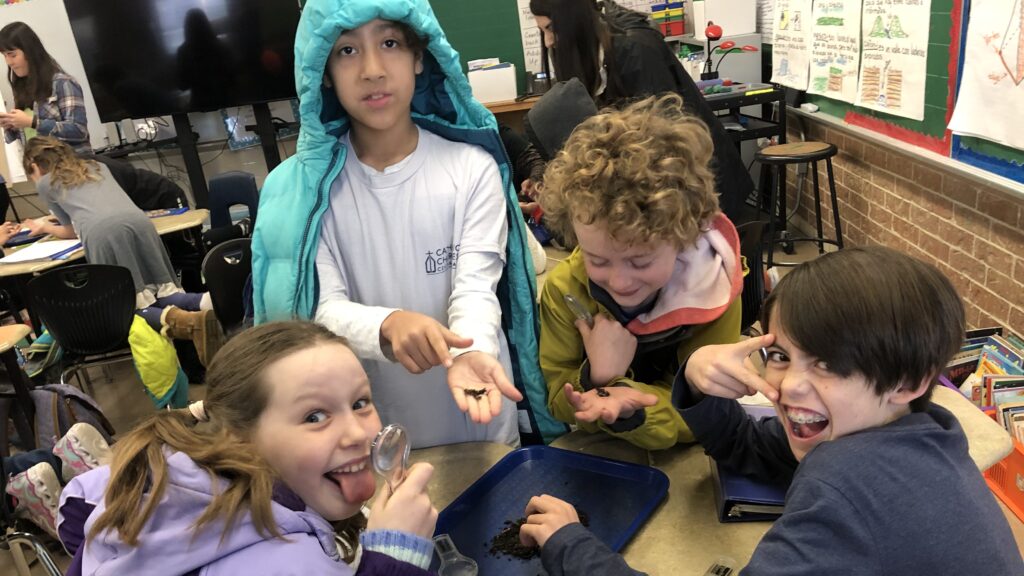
[(399, 192)]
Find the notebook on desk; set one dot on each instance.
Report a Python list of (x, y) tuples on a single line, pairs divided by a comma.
[(22, 237), (49, 250), (743, 499)]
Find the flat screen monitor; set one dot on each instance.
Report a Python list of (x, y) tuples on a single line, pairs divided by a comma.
[(148, 58)]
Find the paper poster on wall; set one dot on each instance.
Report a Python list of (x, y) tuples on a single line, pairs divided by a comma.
[(13, 151), (531, 37), (835, 49), (792, 48), (894, 55), (992, 86), (765, 19)]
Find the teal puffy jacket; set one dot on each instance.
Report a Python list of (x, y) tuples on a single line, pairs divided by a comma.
[(295, 195)]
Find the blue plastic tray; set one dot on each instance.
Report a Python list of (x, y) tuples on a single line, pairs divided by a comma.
[(618, 497)]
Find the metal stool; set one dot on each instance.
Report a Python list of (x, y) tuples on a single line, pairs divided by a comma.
[(777, 158)]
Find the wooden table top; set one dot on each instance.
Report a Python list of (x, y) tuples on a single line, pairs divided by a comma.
[(11, 335), (163, 225)]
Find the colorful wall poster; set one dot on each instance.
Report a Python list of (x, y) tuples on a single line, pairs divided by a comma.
[(992, 87), (894, 56), (792, 48), (835, 49)]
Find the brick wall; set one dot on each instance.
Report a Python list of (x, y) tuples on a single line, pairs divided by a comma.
[(973, 233)]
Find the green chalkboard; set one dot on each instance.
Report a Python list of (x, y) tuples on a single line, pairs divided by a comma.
[(937, 85), (484, 29)]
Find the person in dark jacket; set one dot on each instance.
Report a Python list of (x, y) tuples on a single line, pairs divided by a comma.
[(148, 190), (618, 56), (882, 481)]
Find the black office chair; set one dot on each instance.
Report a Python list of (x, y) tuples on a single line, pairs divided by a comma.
[(225, 269), (229, 189), (89, 311), (752, 249)]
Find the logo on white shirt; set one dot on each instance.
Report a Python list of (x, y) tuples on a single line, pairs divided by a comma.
[(441, 260)]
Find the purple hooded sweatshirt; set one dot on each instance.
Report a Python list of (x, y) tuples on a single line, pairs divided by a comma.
[(168, 543)]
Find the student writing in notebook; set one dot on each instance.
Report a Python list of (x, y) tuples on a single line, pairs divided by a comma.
[(882, 480), (88, 203)]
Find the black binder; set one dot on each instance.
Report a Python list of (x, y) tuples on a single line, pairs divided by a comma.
[(743, 499), (740, 498)]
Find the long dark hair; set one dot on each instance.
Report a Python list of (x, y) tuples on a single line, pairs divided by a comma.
[(580, 34), (38, 83)]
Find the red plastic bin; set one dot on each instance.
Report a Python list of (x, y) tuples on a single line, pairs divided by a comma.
[(1006, 480), (676, 28)]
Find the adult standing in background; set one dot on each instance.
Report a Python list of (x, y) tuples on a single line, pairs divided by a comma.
[(619, 57), (47, 101)]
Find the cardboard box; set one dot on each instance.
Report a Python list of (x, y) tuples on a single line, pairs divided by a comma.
[(494, 84), (734, 16)]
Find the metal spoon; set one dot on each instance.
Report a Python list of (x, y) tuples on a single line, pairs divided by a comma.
[(452, 562), (389, 454)]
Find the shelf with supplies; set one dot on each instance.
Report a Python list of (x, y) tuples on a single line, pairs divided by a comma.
[(755, 127), (687, 39)]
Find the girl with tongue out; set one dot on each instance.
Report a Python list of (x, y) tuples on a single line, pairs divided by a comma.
[(250, 479)]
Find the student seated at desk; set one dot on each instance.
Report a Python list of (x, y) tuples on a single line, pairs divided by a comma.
[(527, 173), (89, 204), (620, 57), (657, 267), (882, 482)]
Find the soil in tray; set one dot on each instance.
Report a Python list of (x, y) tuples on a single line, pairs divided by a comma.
[(506, 543)]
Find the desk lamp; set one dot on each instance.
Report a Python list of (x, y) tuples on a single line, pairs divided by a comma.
[(712, 32), (728, 47)]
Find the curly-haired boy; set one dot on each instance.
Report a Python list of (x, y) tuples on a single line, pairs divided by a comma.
[(657, 266)]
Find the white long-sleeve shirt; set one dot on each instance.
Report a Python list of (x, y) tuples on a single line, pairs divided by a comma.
[(425, 235)]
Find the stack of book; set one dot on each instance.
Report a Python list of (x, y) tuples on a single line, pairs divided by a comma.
[(989, 369)]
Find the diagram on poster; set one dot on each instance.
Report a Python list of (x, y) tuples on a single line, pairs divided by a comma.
[(992, 86), (835, 49), (894, 56), (792, 47)]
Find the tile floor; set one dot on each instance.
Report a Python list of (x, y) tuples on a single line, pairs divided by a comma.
[(125, 404)]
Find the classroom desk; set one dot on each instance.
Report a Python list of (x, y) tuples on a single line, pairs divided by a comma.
[(22, 410), (512, 112), (163, 225), (22, 272), (683, 536)]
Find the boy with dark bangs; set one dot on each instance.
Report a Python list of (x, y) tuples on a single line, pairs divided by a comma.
[(882, 482)]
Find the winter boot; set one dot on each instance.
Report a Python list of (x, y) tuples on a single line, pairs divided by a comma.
[(37, 491), (202, 327), (80, 450)]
